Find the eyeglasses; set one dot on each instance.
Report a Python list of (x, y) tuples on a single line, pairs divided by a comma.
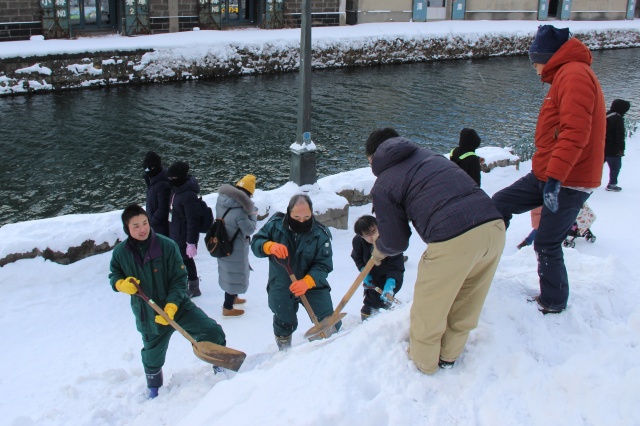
[(370, 235)]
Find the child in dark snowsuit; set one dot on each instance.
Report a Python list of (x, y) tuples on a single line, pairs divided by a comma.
[(465, 154), (615, 141), (388, 276)]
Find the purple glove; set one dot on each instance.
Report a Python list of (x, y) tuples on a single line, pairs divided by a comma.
[(192, 251)]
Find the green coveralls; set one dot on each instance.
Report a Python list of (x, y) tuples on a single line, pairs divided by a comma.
[(309, 253), (157, 263)]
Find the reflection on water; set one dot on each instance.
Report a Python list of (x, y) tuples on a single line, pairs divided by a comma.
[(79, 152)]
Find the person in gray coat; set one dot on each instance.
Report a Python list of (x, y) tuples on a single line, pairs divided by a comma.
[(240, 217)]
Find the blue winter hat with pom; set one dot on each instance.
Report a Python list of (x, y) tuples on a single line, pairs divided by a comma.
[(546, 43)]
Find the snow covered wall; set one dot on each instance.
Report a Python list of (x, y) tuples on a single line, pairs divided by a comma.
[(212, 55)]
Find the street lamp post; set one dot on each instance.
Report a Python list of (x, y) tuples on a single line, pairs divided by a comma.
[(303, 155)]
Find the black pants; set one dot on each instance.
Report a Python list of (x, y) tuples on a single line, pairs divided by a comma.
[(189, 263), (526, 194), (615, 164), (228, 300)]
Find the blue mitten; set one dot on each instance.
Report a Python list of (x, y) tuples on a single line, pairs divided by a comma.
[(368, 281), (550, 194), (389, 286)]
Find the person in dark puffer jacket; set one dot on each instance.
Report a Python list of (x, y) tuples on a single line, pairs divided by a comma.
[(465, 236), (465, 154), (184, 219), (158, 193), (615, 141)]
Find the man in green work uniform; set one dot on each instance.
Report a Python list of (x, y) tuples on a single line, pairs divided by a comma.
[(154, 262), (307, 245)]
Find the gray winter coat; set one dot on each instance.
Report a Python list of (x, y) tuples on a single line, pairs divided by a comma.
[(233, 271)]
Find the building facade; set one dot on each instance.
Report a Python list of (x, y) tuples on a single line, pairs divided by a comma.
[(21, 19)]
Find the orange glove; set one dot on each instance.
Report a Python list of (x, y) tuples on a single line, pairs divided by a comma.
[(278, 250), (170, 309), (300, 287), (126, 286)]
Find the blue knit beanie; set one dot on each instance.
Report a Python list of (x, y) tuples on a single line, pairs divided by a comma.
[(546, 43)]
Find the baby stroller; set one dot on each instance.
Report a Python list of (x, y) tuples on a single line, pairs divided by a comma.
[(581, 227)]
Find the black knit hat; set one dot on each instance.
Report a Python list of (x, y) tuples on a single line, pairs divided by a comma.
[(469, 140), (546, 43), (178, 172), (152, 162)]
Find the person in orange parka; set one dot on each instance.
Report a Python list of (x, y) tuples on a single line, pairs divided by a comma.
[(567, 163)]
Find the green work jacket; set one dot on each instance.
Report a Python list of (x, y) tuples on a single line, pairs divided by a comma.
[(309, 253), (163, 277)]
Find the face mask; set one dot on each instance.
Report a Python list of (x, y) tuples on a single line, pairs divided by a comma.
[(151, 172), (300, 227), (176, 181)]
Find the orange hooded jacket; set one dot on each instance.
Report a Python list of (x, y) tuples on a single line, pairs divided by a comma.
[(571, 126)]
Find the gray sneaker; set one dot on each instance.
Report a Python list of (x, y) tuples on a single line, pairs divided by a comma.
[(614, 188)]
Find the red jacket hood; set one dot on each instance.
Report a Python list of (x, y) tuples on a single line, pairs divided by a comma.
[(572, 51)]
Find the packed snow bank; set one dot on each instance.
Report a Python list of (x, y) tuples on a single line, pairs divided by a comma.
[(115, 60)]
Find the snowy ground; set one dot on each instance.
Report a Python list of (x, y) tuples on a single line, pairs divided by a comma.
[(71, 352)]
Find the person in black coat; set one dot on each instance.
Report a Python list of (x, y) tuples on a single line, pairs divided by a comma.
[(184, 218), (615, 141), (388, 276), (158, 192), (465, 154)]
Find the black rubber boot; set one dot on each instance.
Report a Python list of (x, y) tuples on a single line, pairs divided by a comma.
[(154, 382), (284, 343), (193, 288)]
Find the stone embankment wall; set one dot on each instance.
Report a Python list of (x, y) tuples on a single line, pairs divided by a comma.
[(104, 69)]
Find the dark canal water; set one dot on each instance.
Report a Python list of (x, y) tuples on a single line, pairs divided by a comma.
[(81, 152)]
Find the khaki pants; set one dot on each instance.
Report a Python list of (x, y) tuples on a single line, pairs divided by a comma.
[(453, 281)]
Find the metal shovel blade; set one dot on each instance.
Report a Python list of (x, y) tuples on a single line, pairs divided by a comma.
[(324, 325), (212, 353), (221, 356)]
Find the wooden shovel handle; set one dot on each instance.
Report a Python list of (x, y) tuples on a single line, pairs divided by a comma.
[(162, 313), (307, 306), (367, 268)]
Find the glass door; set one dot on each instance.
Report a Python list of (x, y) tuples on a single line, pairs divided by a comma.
[(92, 14), (239, 12)]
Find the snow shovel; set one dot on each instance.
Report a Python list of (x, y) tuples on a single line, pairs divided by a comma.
[(389, 297), (337, 316), (307, 306), (217, 355)]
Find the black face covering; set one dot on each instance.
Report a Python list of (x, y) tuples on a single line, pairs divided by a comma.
[(175, 181), (152, 171), (300, 227)]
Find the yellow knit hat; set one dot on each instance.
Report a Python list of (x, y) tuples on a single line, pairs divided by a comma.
[(247, 183)]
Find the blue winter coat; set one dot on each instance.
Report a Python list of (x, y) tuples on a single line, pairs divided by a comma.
[(184, 209), (158, 194), (417, 185)]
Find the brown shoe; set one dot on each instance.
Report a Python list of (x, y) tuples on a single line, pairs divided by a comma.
[(232, 313), (239, 301)]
